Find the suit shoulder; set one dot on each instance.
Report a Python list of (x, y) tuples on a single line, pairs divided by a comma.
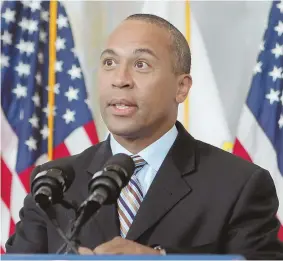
[(89, 151), (83, 158), (223, 162), (222, 173)]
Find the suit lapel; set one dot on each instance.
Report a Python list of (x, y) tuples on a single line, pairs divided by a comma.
[(166, 191), (107, 217), (168, 187)]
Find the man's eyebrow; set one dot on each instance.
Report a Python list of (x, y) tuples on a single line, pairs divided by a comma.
[(145, 50), (136, 51), (108, 51)]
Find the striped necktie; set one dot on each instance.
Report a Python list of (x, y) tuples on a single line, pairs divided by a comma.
[(130, 198)]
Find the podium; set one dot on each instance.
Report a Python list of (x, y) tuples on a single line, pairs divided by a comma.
[(51, 257)]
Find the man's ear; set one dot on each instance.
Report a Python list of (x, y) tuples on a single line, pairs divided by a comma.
[(184, 86)]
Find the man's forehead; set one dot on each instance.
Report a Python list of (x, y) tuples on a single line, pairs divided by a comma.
[(138, 29), (138, 34)]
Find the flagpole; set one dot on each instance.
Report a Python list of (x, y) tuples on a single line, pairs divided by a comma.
[(188, 34), (51, 74)]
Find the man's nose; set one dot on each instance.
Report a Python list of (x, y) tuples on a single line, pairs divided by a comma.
[(123, 78)]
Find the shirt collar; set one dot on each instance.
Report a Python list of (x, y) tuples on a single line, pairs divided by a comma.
[(153, 154)]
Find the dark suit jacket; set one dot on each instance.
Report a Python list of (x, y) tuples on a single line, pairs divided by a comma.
[(202, 200)]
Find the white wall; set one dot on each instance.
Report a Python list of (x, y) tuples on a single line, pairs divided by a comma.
[(232, 31)]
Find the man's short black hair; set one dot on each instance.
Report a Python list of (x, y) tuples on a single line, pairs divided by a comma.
[(180, 47)]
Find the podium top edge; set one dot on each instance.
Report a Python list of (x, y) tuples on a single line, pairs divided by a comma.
[(54, 257)]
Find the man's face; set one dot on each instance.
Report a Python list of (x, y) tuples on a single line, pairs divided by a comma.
[(137, 85)]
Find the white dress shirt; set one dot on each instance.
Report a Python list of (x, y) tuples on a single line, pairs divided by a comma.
[(153, 154)]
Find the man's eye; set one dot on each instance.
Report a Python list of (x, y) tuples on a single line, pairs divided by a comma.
[(109, 62), (141, 65)]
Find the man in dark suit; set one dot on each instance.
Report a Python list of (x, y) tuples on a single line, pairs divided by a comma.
[(186, 196)]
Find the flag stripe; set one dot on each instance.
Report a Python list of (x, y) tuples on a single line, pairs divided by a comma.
[(241, 151), (280, 234), (25, 178), (9, 143), (18, 189), (6, 181), (61, 151), (77, 141), (91, 132)]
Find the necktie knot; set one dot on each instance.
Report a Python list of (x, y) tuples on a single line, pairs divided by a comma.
[(139, 162)]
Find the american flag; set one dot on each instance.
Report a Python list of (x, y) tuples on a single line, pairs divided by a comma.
[(24, 100), (260, 134)]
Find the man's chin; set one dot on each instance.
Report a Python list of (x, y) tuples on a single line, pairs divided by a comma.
[(124, 131)]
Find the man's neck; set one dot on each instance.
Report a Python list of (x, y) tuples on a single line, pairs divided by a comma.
[(137, 144)]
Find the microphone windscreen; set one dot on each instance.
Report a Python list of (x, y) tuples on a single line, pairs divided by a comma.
[(63, 164), (121, 161)]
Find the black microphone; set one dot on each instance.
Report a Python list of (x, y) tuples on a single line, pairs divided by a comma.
[(104, 188), (50, 181), (115, 175), (106, 185)]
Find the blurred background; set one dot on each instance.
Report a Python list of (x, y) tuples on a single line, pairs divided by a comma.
[(49, 97)]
